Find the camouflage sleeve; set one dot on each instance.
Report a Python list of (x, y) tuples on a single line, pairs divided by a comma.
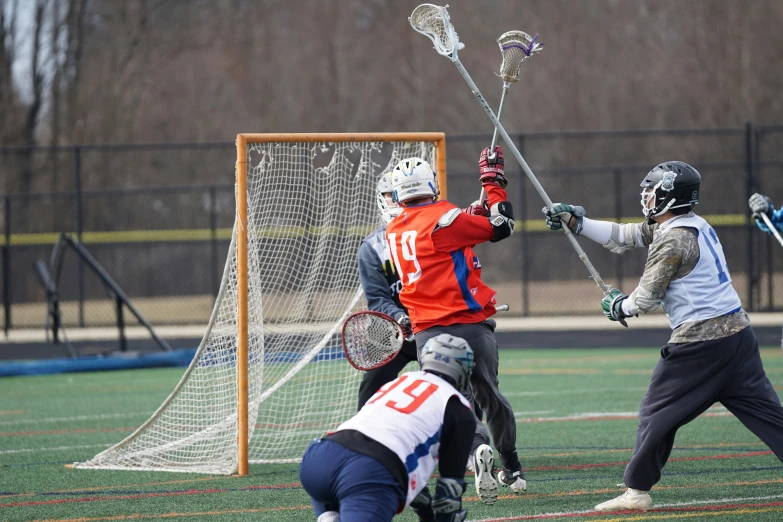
[(672, 256), (625, 236)]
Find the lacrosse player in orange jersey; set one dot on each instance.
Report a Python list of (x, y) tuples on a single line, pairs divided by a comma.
[(431, 245)]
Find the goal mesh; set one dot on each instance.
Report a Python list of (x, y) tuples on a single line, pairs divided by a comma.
[(309, 206)]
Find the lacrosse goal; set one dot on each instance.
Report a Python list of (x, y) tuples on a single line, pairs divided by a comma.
[(269, 374)]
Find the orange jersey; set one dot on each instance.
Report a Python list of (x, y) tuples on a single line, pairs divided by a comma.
[(438, 287)]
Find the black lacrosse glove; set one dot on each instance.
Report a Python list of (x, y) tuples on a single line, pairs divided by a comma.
[(447, 503), (407, 329), (421, 505)]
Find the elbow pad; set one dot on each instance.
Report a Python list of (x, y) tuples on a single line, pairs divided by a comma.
[(501, 217)]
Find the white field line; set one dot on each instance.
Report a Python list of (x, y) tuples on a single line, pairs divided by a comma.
[(54, 448), (610, 513), (718, 501), (77, 384), (75, 418), (580, 391)]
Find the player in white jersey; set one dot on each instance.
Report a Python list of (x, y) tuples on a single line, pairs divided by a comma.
[(712, 355), (379, 461)]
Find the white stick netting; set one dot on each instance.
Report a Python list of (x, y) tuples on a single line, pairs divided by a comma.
[(370, 340), (309, 206)]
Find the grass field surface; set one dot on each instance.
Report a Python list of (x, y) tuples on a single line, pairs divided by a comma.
[(576, 413)]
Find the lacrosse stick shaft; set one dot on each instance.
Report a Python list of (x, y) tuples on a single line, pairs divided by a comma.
[(506, 85), (503, 134), (772, 228)]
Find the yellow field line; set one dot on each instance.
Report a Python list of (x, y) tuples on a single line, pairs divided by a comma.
[(11, 412), (205, 234)]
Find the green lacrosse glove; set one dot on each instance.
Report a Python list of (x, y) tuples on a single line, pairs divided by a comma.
[(560, 213), (612, 306)]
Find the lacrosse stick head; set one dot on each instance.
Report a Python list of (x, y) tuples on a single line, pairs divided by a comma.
[(371, 339), (433, 22), (516, 47)]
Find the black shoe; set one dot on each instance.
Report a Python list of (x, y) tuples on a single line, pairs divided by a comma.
[(513, 479)]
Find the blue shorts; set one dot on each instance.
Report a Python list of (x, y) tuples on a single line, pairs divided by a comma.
[(358, 486)]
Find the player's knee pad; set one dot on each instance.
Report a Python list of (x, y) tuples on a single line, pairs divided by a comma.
[(329, 516), (502, 219)]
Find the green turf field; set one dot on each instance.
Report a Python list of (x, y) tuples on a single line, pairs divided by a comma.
[(576, 424)]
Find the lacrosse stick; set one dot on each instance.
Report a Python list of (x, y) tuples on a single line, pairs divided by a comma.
[(515, 47), (433, 22), (371, 339), (772, 228)]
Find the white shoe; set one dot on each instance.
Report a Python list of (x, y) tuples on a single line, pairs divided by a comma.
[(470, 466), (486, 486), (329, 516), (514, 480), (632, 499)]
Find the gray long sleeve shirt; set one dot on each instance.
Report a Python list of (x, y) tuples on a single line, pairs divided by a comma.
[(379, 279)]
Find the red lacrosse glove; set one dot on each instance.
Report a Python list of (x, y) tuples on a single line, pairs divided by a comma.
[(491, 169), (477, 209)]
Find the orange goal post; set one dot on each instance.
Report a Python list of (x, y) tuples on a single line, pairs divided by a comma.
[(269, 374)]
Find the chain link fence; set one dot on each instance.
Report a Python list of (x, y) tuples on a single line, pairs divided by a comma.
[(159, 217)]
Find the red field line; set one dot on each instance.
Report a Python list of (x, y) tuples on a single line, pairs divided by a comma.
[(582, 492), (137, 496), (544, 516), (676, 459), (116, 486), (662, 511), (140, 516)]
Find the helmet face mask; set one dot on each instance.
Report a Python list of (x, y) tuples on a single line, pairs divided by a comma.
[(449, 357), (388, 208), (413, 178), (669, 185)]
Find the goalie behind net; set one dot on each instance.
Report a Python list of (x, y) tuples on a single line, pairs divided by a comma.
[(310, 201)]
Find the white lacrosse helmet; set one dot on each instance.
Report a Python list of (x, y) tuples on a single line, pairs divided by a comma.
[(448, 356), (414, 178), (388, 212)]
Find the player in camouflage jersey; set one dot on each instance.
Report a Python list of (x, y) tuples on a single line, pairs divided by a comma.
[(712, 355)]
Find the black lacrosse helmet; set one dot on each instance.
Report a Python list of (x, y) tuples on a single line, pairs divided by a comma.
[(673, 184)]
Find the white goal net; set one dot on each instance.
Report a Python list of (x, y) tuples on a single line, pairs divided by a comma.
[(309, 204)]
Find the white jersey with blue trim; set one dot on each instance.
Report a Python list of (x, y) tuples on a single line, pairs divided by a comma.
[(406, 416), (706, 292)]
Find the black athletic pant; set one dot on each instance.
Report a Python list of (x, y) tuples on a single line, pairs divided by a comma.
[(374, 379), (691, 377), (485, 386)]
